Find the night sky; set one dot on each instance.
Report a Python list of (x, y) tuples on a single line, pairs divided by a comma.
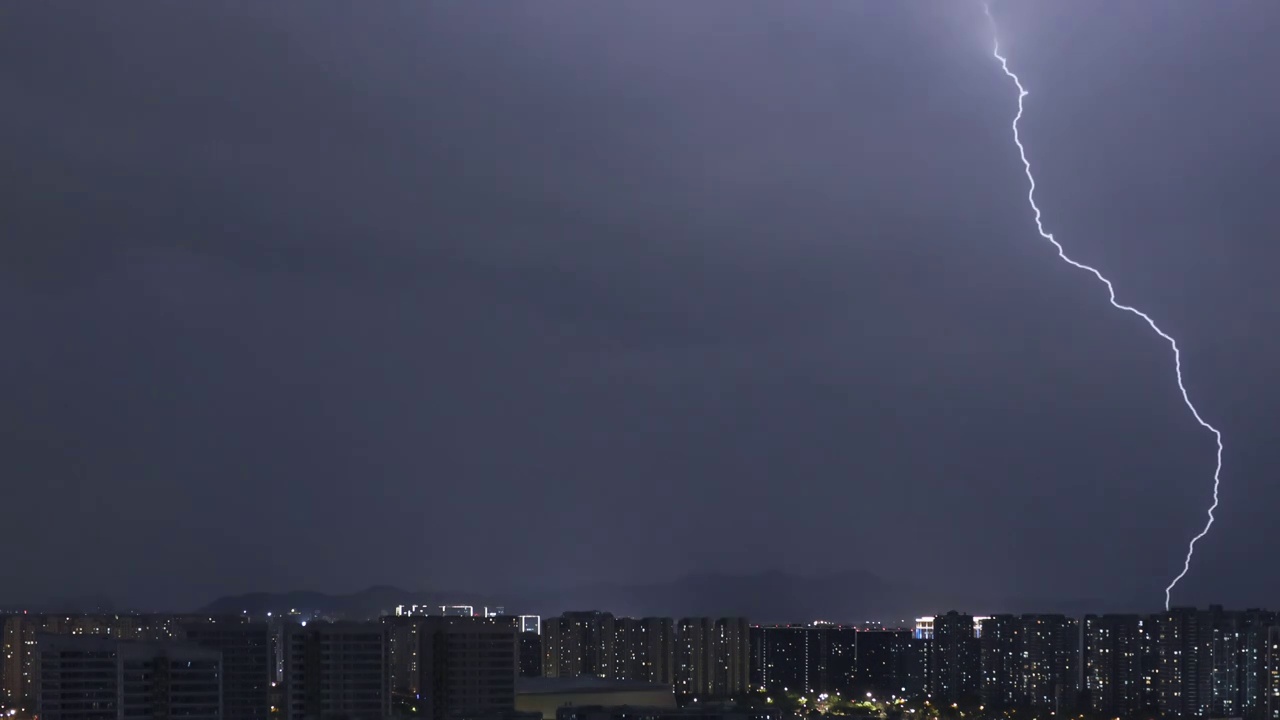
[(487, 295)]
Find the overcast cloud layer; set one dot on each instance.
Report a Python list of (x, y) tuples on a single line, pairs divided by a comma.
[(493, 294)]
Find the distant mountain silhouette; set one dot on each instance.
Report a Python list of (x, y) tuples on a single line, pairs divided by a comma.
[(770, 597)]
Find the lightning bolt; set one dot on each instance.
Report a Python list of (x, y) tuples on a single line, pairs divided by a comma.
[(1111, 292)]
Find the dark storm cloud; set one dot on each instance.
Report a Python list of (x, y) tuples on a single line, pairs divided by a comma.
[(490, 294)]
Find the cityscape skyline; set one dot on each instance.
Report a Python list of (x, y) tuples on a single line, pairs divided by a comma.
[(639, 360), (438, 662)]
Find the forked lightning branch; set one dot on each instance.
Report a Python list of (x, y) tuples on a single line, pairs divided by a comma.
[(1111, 292)]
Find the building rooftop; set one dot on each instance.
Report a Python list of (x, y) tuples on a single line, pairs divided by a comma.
[(125, 649)]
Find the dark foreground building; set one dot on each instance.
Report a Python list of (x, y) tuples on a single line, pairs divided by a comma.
[(246, 664), (93, 678), (834, 659), (336, 670), (468, 666)]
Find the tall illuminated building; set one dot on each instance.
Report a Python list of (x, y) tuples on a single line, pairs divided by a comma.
[(731, 657), (1113, 664), (1050, 671), (1273, 674), (693, 647), (644, 649), (530, 654), (20, 660), (1001, 659), (1030, 661), (954, 668), (712, 657), (1255, 679), (578, 643), (790, 658), (402, 652), (887, 663)]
